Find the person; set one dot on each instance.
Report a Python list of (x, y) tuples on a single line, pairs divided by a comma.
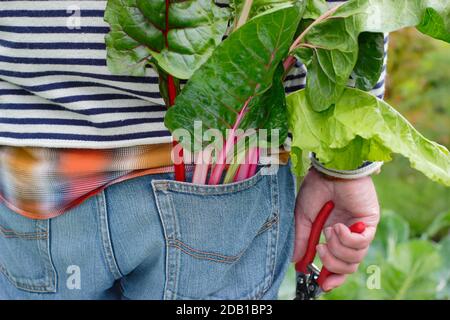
[(89, 206)]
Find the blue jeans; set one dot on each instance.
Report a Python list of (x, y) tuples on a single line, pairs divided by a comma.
[(154, 238)]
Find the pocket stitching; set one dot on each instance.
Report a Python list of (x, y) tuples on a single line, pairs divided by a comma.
[(225, 257), (163, 186), (176, 243), (197, 189), (45, 284), (21, 285), (9, 233), (204, 256)]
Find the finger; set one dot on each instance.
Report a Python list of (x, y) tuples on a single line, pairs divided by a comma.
[(354, 240), (333, 281), (342, 252), (333, 264)]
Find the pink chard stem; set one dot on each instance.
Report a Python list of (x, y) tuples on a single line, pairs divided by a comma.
[(220, 165), (218, 169), (248, 168), (254, 159), (202, 167), (243, 170)]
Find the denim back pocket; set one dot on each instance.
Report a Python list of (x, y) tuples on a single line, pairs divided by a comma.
[(24, 252), (221, 241)]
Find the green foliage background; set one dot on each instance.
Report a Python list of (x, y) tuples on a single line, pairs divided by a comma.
[(419, 86), (412, 247)]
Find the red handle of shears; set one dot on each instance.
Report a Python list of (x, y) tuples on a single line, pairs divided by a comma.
[(314, 237), (358, 227)]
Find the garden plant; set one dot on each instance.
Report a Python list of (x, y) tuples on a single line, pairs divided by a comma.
[(237, 83)]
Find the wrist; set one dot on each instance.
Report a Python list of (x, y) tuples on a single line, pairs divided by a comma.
[(365, 170)]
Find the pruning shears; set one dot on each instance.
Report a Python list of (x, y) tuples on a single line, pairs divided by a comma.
[(309, 278)]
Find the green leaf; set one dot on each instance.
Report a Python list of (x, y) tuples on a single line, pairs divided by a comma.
[(301, 162), (351, 290), (315, 8), (339, 36), (328, 73), (241, 69), (262, 6), (441, 222), (408, 273), (269, 111), (444, 275), (368, 127), (138, 29), (435, 25), (370, 62), (392, 230)]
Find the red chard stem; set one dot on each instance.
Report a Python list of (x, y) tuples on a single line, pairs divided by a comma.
[(180, 172)]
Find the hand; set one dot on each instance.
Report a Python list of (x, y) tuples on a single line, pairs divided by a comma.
[(355, 200)]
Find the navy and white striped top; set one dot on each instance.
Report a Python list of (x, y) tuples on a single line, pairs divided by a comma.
[(56, 90)]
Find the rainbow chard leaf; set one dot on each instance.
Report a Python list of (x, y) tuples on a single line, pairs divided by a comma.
[(261, 6), (178, 38), (369, 65), (330, 48), (315, 8), (360, 127), (234, 88)]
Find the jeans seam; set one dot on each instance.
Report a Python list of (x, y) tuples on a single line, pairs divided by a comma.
[(271, 237), (176, 234), (274, 248), (163, 201), (106, 237), (166, 267), (45, 253), (184, 187)]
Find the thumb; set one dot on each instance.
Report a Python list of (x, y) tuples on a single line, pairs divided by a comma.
[(302, 230), (307, 223), (313, 194)]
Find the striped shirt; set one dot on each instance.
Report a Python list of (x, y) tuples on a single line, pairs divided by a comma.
[(58, 99), (56, 90)]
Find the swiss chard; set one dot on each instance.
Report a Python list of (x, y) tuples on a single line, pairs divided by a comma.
[(361, 127), (315, 8), (174, 37), (329, 48), (259, 6), (370, 61), (177, 36), (232, 84)]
